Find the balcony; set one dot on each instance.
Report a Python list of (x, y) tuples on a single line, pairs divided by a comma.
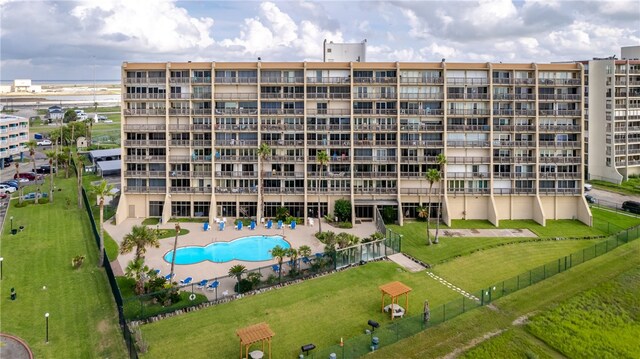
[(559, 97), (560, 82), (420, 143), (468, 143), (236, 80), (229, 127), (422, 112), (145, 80), (375, 158), (561, 144), (363, 111), (525, 96), (236, 111), (422, 96), (281, 111), (145, 112), (190, 189), (180, 111), (559, 159), (278, 95), (560, 128), (375, 190), (201, 80), (145, 174), (144, 96), (232, 142), (149, 158), (292, 190), (421, 80), (201, 111), (201, 143), (237, 174), (458, 175), (560, 175), (466, 160), (180, 96), (144, 128), (235, 96), (468, 112), (375, 80), (467, 81), (339, 112), (572, 113), (281, 80), (179, 80), (463, 191), (509, 191), (419, 190), (503, 96), (144, 189), (329, 80), (145, 143), (283, 174), (559, 191), (237, 159), (179, 143), (469, 128)]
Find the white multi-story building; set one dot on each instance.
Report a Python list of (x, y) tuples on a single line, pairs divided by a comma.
[(613, 92), (14, 134), (512, 135)]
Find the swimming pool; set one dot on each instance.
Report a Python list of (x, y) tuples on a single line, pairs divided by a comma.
[(253, 248)]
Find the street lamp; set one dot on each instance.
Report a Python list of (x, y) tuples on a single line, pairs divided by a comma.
[(11, 218), (46, 321), (173, 257), (1, 259)]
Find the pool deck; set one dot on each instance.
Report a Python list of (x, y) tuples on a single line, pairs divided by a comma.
[(301, 235)]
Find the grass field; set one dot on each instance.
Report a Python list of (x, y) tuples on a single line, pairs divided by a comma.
[(462, 330), (632, 186), (414, 240), (599, 323), (513, 343), (318, 311), (484, 268), (83, 319)]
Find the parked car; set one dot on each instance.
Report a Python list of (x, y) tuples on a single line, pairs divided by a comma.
[(12, 183), (102, 118), (631, 206), (31, 176), (5, 188), (44, 142), (33, 195), (589, 198), (587, 187), (8, 161), (45, 169), (3, 196)]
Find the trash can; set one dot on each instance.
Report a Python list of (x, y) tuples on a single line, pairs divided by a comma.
[(14, 231), (333, 356), (374, 343), (13, 294)]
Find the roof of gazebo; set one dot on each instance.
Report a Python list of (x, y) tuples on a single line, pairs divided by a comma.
[(254, 333), (395, 289)]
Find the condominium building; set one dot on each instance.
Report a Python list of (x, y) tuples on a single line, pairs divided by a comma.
[(14, 134), (613, 100), (512, 136)]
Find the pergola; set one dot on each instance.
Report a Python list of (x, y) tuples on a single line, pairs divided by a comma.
[(394, 290), (256, 333)]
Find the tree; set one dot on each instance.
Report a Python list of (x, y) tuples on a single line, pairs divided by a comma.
[(345, 240), (79, 171), (32, 145), (175, 248), (139, 239), (342, 210), (304, 251), (264, 151), (322, 158), (423, 212), (279, 253), (20, 186), (441, 160), (51, 155), (67, 156), (137, 270), (432, 176), (101, 190), (70, 115), (238, 271), (293, 255)]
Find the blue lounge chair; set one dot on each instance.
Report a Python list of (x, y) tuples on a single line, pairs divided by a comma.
[(252, 226), (169, 276), (205, 226), (292, 225), (280, 224), (276, 268), (202, 284), (186, 281), (269, 224), (305, 260), (319, 255), (157, 272), (213, 285), (239, 226), (221, 226)]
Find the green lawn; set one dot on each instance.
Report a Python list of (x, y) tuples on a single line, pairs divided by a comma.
[(632, 186), (513, 343), (318, 311), (482, 269), (610, 221), (458, 332), (83, 319), (609, 328)]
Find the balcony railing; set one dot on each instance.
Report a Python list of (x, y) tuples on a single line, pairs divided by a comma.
[(236, 80), (561, 175), (145, 112), (144, 189), (145, 127), (145, 80), (146, 143), (144, 96), (190, 189), (134, 158), (238, 174), (468, 143), (421, 80), (563, 144), (329, 80), (559, 112)]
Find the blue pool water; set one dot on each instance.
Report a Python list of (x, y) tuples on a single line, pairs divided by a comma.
[(253, 248)]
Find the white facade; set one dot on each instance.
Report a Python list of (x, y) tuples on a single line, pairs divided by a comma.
[(14, 134), (334, 52)]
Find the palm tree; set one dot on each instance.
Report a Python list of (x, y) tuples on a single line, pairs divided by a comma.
[(137, 270), (433, 176), (237, 271), (293, 255), (67, 157), (279, 253), (423, 212), (441, 160), (264, 151), (139, 238), (51, 155), (345, 240), (32, 145), (175, 247), (102, 190), (322, 158), (20, 187), (304, 251), (79, 170)]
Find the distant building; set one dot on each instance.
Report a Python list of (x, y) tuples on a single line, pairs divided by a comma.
[(613, 104), (24, 85), (55, 113), (14, 134), (334, 52)]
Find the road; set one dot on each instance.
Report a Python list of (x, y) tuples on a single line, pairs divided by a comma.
[(611, 199)]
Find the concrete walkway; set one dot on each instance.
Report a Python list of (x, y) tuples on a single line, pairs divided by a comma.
[(485, 233), (406, 263)]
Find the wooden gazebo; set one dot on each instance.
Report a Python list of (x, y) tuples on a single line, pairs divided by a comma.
[(394, 290), (253, 334)]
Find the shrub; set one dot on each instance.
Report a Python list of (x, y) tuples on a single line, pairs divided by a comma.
[(244, 285), (345, 225), (342, 209), (21, 205), (389, 215), (77, 261), (282, 213)]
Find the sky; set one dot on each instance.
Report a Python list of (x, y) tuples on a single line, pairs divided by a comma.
[(83, 40)]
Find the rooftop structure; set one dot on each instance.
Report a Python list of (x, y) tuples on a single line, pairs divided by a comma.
[(338, 52)]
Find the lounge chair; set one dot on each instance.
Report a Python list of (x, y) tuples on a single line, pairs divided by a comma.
[(221, 226), (319, 255), (292, 225), (202, 284), (186, 281), (169, 276), (276, 268), (213, 285), (269, 224), (239, 226), (252, 226), (280, 224), (311, 222), (306, 260), (157, 272), (205, 226)]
